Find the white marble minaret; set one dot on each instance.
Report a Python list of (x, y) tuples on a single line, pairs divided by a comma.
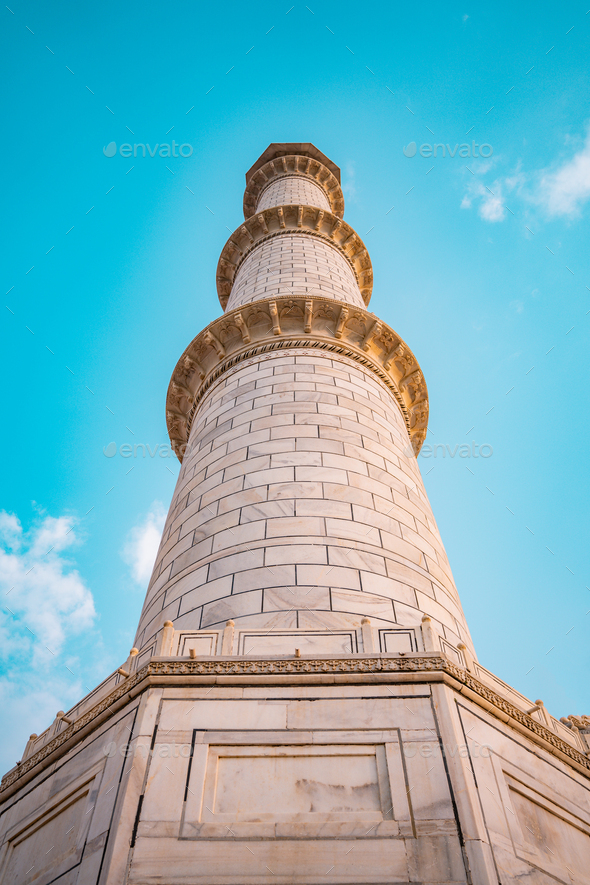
[(299, 510), (303, 703)]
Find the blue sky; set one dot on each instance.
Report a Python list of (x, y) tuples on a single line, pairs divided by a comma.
[(109, 269)]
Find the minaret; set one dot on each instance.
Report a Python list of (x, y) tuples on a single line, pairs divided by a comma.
[(303, 703), (299, 510)]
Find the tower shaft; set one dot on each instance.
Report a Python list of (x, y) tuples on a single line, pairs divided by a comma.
[(299, 510)]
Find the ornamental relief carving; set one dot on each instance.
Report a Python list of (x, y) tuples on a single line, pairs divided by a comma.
[(292, 310), (325, 311), (356, 326), (246, 667), (304, 220), (303, 321)]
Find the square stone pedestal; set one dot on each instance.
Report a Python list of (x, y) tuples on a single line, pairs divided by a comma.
[(366, 769)]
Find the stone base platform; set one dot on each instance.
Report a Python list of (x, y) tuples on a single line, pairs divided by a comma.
[(298, 771)]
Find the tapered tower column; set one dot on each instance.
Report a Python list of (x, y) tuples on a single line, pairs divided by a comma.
[(300, 510), (303, 703)]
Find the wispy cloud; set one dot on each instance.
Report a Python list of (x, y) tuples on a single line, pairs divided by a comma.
[(349, 181), (560, 189), (142, 543), (564, 189), (45, 606), (488, 199), (44, 598), (489, 202)]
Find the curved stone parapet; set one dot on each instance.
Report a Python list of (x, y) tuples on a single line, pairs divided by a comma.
[(317, 324), (326, 187), (243, 263)]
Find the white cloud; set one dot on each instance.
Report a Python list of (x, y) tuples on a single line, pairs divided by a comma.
[(142, 544), (45, 596), (491, 207), (564, 189), (10, 530), (29, 705), (561, 189), (46, 606), (489, 200), (349, 181)]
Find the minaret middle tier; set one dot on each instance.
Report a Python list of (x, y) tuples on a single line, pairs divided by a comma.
[(299, 519), (293, 240)]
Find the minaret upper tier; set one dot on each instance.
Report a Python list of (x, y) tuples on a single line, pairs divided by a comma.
[(293, 240)]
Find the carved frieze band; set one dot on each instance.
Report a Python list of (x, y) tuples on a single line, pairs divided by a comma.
[(298, 666), (291, 165), (302, 321), (306, 220)]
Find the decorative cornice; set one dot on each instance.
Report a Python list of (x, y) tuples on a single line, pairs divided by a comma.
[(294, 164), (288, 219), (276, 150), (580, 722), (378, 665), (301, 321)]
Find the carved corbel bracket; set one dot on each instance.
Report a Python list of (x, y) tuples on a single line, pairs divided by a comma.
[(301, 322), (293, 165), (307, 221)]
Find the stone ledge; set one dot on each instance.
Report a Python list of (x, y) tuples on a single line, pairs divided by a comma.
[(419, 667), (302, 322)]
